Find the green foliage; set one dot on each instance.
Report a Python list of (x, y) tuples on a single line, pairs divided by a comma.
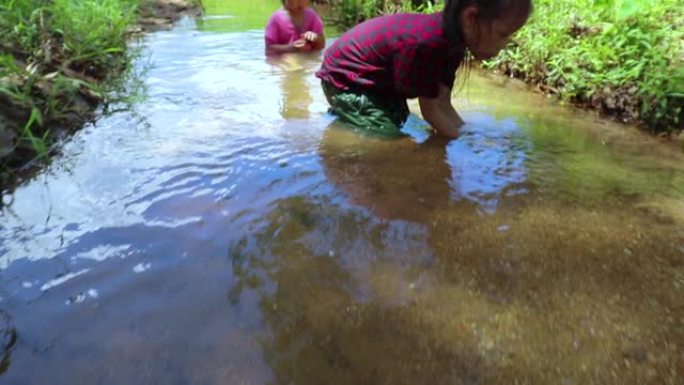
[(355, 11), (618, 9), (92, 29), (622, 56), (39, 144), (20, 22), (53, 52), (351, 12)]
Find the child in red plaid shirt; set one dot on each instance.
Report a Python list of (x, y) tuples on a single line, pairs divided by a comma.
[(370, 71)]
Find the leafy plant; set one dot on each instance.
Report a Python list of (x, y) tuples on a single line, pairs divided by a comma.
[(624, 57), (55, 52)]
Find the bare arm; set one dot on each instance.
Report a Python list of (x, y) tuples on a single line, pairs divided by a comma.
[(447, 107), (280, 48), (440, 113)]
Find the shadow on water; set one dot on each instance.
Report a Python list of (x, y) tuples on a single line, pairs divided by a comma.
[(293, 69), (225, 229)]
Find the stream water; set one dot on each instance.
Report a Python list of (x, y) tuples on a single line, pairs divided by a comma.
[(224, 229)]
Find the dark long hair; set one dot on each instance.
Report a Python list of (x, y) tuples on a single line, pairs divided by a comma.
[(489, 11)]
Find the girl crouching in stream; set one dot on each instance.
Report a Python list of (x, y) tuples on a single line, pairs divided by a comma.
[(370, 71)]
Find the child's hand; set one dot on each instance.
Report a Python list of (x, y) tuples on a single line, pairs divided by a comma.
[(300, 45), (310, 36)]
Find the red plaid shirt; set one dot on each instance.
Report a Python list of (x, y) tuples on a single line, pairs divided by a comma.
[(404, 54)]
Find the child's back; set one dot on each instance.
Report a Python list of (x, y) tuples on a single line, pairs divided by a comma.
[(394, 54)]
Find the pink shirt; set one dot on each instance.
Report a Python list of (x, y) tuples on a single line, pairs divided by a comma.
[(281, 30)]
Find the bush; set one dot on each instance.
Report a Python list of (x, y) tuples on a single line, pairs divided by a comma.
[(352, 12), (92, 30), (625, 58)]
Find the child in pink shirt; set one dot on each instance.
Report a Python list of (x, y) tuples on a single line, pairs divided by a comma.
[(294, 28)]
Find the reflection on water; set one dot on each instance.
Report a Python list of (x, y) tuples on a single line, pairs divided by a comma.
[(227, 230), (293, 69), (373, 172), (482, 171)]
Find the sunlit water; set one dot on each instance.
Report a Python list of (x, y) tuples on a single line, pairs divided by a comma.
[(225, 230)]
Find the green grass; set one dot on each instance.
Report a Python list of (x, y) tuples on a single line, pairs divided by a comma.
[(92, 30), (352, 12), (59, 58), (622, 57)]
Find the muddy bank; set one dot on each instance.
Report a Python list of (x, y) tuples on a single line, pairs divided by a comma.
[(48, 93), (162, 14)]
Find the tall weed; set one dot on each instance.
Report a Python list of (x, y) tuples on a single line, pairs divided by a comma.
[(92, 29)]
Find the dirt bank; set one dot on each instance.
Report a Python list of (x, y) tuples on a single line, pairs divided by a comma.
[(49, 94)]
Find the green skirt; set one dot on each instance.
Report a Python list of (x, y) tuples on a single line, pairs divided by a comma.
[(368, 112)]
